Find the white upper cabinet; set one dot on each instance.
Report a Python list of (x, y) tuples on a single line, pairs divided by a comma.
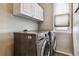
[(37, 12), (29, 10), (26, 8)]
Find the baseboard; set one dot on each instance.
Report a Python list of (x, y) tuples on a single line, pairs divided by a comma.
[(65, 53)]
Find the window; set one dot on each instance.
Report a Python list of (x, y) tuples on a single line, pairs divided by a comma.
[(61, 8), (61, 16)]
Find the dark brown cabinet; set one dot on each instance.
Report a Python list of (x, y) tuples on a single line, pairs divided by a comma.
[(25, 44)]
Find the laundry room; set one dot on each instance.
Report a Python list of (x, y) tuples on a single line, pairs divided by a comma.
[(38, 29)]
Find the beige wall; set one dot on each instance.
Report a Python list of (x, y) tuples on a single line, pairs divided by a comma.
[(10, 24), (48, 17), (6, 44)]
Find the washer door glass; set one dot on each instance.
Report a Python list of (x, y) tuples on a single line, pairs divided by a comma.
[(45, 49)]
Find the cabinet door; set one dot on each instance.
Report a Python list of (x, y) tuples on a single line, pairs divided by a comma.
[(24, 45), (26, 8), (32, 45), (37, 12), (40, 13), (17, 44)]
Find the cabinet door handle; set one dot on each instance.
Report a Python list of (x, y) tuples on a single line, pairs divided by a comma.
[(29, 37)]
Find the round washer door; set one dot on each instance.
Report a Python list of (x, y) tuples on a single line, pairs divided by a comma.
[(45, 49)]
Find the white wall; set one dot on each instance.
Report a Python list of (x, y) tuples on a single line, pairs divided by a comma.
[(10, 23)]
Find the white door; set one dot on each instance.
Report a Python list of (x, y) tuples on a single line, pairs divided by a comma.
[(76, 30)]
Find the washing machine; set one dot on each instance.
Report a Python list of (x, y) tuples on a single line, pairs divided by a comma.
[(43, 43)]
